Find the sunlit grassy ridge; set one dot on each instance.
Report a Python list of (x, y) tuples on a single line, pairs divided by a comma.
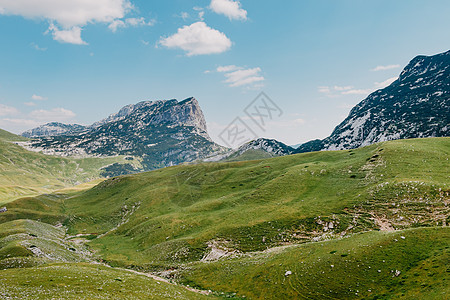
[(84, 281), (174, 219), (8, 136), (24, 173)]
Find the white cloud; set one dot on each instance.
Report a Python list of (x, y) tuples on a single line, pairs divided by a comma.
[(116, 24), (387, 82), (201, 15), (239, 76), (244, 77), (38, 98), (357, 92), (184, 15), (68, 15), (36, 47), (18, 125), (21, 121), (337, 91), (7, 110), (229, 68), (69, 36), (342, 88), (130, 22), (53, 115), (324, 89), (229, 8), (198, 39), (384, 68)]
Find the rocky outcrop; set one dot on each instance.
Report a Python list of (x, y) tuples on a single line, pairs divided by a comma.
[(53, 129), (416, 105), (270, 146)]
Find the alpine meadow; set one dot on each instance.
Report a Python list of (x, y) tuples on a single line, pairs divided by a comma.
[(312, 163)]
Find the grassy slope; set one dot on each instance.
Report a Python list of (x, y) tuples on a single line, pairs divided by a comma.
[(259, 204), (26, 243), (8, 136), (251, 154), (84, 281), (362, 266), (166, 218), (24, 173), (172, 213)]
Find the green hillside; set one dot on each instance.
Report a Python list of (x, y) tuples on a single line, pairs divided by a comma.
[(85, 281), (251, 154), (25, 173), (220, 226), (8, 136), (407, 264)]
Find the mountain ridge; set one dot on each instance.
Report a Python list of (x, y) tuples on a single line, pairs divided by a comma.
[(161, 133), (415, 105)]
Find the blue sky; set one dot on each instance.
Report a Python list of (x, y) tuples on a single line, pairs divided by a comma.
[(77, 62)]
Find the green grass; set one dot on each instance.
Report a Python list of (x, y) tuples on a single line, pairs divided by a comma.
[(169, 218), (251, 154), (171, 214), (25, 243), (10, 137), (84, 281), (24, 173), (278, 200), (359, 267)]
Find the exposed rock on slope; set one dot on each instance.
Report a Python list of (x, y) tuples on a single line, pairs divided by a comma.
[(256, 149), (414, 106), (53, 129), (162, 133), (271, 146)]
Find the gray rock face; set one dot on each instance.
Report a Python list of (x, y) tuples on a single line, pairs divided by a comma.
[(414, 106), (271, 146), (53, 129), (184, 113), (162, 133)]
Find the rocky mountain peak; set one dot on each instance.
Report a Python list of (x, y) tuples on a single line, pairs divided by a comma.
[(271, 146), (161, 112), (425, 65), (159, 133), (416, 105)]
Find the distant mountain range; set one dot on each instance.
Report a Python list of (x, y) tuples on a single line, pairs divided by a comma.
[(416, 105), (161, 133), (165, 133)]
